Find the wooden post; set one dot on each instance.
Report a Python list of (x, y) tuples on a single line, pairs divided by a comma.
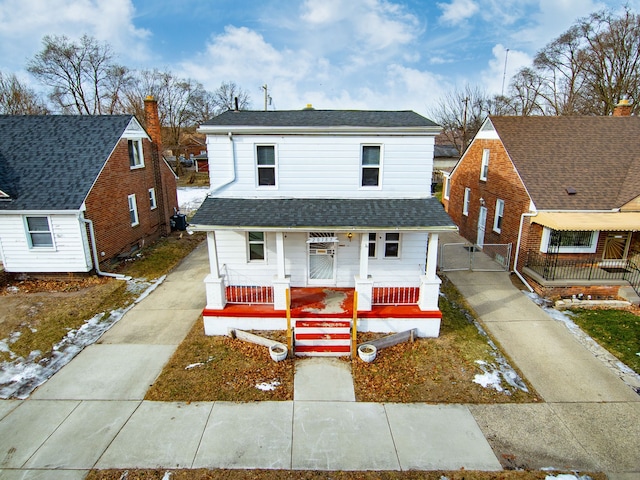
[(354, 326), (289, 334)]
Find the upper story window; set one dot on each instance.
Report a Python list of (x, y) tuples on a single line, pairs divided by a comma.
[(392, 245), (153, 204), (256, 243), (266, 165), (497, 221), (484, 168), (39, 232), (136, 158), (371, 163), (372, 245), (133, 210), (465, 203)]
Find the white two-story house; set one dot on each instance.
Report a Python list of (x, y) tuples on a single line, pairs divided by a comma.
[(307, 207)]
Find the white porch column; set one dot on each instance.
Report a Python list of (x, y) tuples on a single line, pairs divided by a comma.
[(280, 282), (214, 283), (363, 283), (429, 282)]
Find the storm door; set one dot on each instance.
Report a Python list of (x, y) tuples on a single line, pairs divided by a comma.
[(482, 225), (322, 258)]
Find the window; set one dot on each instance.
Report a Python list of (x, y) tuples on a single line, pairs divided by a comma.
[(392, 245), (39, 232), (136, 159), (497, 221), (484, 168), (465, 204), (568, 241), (152, 199), (370, 166), (266, 163), (372, 245), (256, 246), (447, 187), (133, 210)]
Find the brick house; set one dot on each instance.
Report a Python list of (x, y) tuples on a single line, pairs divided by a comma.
[(78, 190), (563, 191)]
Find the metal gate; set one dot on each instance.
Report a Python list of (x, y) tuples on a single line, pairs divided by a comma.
[(491, 257)]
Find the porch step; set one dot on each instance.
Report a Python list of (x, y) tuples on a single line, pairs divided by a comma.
[(322, 337)]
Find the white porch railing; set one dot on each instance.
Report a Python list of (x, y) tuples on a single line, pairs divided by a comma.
[(241, 289)]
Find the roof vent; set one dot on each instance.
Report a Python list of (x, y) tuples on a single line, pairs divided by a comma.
[(571, 191)]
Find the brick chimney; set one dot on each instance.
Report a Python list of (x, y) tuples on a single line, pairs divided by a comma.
[(623, 108), (153, 121)]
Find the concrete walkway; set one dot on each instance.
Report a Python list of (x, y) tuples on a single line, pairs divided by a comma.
[(92, 415)]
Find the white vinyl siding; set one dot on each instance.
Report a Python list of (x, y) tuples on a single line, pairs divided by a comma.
[(69, 235), (133, 210), (315, 167)]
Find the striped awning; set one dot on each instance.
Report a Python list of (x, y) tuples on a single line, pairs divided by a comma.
[(585, 221)]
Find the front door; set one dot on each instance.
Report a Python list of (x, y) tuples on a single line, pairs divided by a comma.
[(322, 258), (482, 223), (616, 246)]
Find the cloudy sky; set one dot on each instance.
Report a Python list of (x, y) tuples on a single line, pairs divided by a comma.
[(356, 54)]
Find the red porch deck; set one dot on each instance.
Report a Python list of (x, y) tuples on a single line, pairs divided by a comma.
[(322, 302)]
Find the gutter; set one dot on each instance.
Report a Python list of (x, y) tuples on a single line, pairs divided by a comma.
[(232, 149), (94, 251), (515, 262)]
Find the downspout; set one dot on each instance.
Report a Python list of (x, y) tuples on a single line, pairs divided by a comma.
[(232, 150), (94, 251), (515, 262)]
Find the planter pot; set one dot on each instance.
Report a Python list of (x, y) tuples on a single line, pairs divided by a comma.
[(367, 353), (278, 352)]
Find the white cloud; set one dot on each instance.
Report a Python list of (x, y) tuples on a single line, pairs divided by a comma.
[(23, 23), (458, 11)]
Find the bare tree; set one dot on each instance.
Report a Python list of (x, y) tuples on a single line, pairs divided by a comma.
[(525, 90), (461, 113), (613, 61), (225, 95), (82, 75), (18, 99)]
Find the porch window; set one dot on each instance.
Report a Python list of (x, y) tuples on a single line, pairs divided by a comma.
[(152, 199), (497, 221), (133, 210), (136, 159), (256, 243), (39, 232), (484, 168), (392, 245), (266, 165), (465, 203), (370, 175), (372, 245), (568, 241)]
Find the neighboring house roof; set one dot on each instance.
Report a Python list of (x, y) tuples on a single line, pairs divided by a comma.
[(445, 151), (597, 157), (305, 213), (321, 118), (50, 162)]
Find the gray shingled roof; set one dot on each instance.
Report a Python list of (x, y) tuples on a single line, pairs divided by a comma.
[(49, 162), (321, 118), (597, 156), (383, 213)]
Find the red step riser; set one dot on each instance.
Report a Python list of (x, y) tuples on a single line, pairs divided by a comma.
[(323, 336), (323, 348), (322, 324)]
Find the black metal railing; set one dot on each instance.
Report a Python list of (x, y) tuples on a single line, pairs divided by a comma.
[(555, 267)]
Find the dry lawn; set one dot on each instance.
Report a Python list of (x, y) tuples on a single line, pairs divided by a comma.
[(202, 474)]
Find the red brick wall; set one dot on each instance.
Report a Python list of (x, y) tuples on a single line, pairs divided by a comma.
[(502, 183), (107, 203)]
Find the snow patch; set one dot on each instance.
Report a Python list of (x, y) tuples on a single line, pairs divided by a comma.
[(190, 198), (265, 387), (567, 476)]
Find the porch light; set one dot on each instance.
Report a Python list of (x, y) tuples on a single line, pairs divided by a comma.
[(349, 236)]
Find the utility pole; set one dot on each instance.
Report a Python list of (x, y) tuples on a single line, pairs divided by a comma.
[(266, 96), (504, 73)]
